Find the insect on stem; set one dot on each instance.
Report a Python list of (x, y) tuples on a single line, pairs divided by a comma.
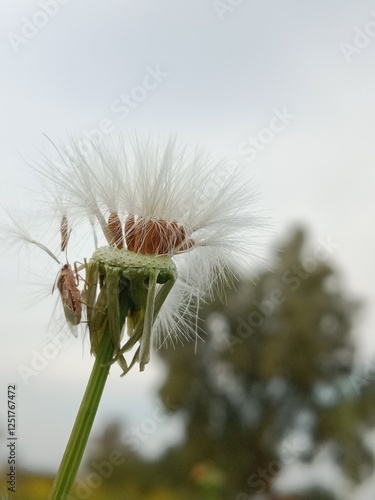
[(70, 295), (66, 281)]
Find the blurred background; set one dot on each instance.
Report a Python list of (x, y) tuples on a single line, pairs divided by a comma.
[(277, 401)]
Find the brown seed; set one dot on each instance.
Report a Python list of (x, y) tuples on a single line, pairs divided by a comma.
[(139, 235), (162, 236), (155, 236), (64, 231), (130, 232), (115, 230), (149, 243)]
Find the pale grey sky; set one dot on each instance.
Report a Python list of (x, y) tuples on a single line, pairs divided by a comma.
[(290, 85)]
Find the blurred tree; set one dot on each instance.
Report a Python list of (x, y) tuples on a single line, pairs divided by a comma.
[(272, 385), (273, 381)]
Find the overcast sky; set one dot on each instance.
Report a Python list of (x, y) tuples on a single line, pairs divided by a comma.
[(284, 88)]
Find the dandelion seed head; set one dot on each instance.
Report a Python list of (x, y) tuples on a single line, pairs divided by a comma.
[(133, 197)]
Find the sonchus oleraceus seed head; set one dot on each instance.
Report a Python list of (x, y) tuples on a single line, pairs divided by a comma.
[(165, 224)]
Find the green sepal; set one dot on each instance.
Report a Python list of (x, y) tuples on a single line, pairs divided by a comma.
[(112, 281), (90, 288), (129, 294), (144, 354)]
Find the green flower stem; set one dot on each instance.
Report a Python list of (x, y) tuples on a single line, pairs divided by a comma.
[(83, 424)]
